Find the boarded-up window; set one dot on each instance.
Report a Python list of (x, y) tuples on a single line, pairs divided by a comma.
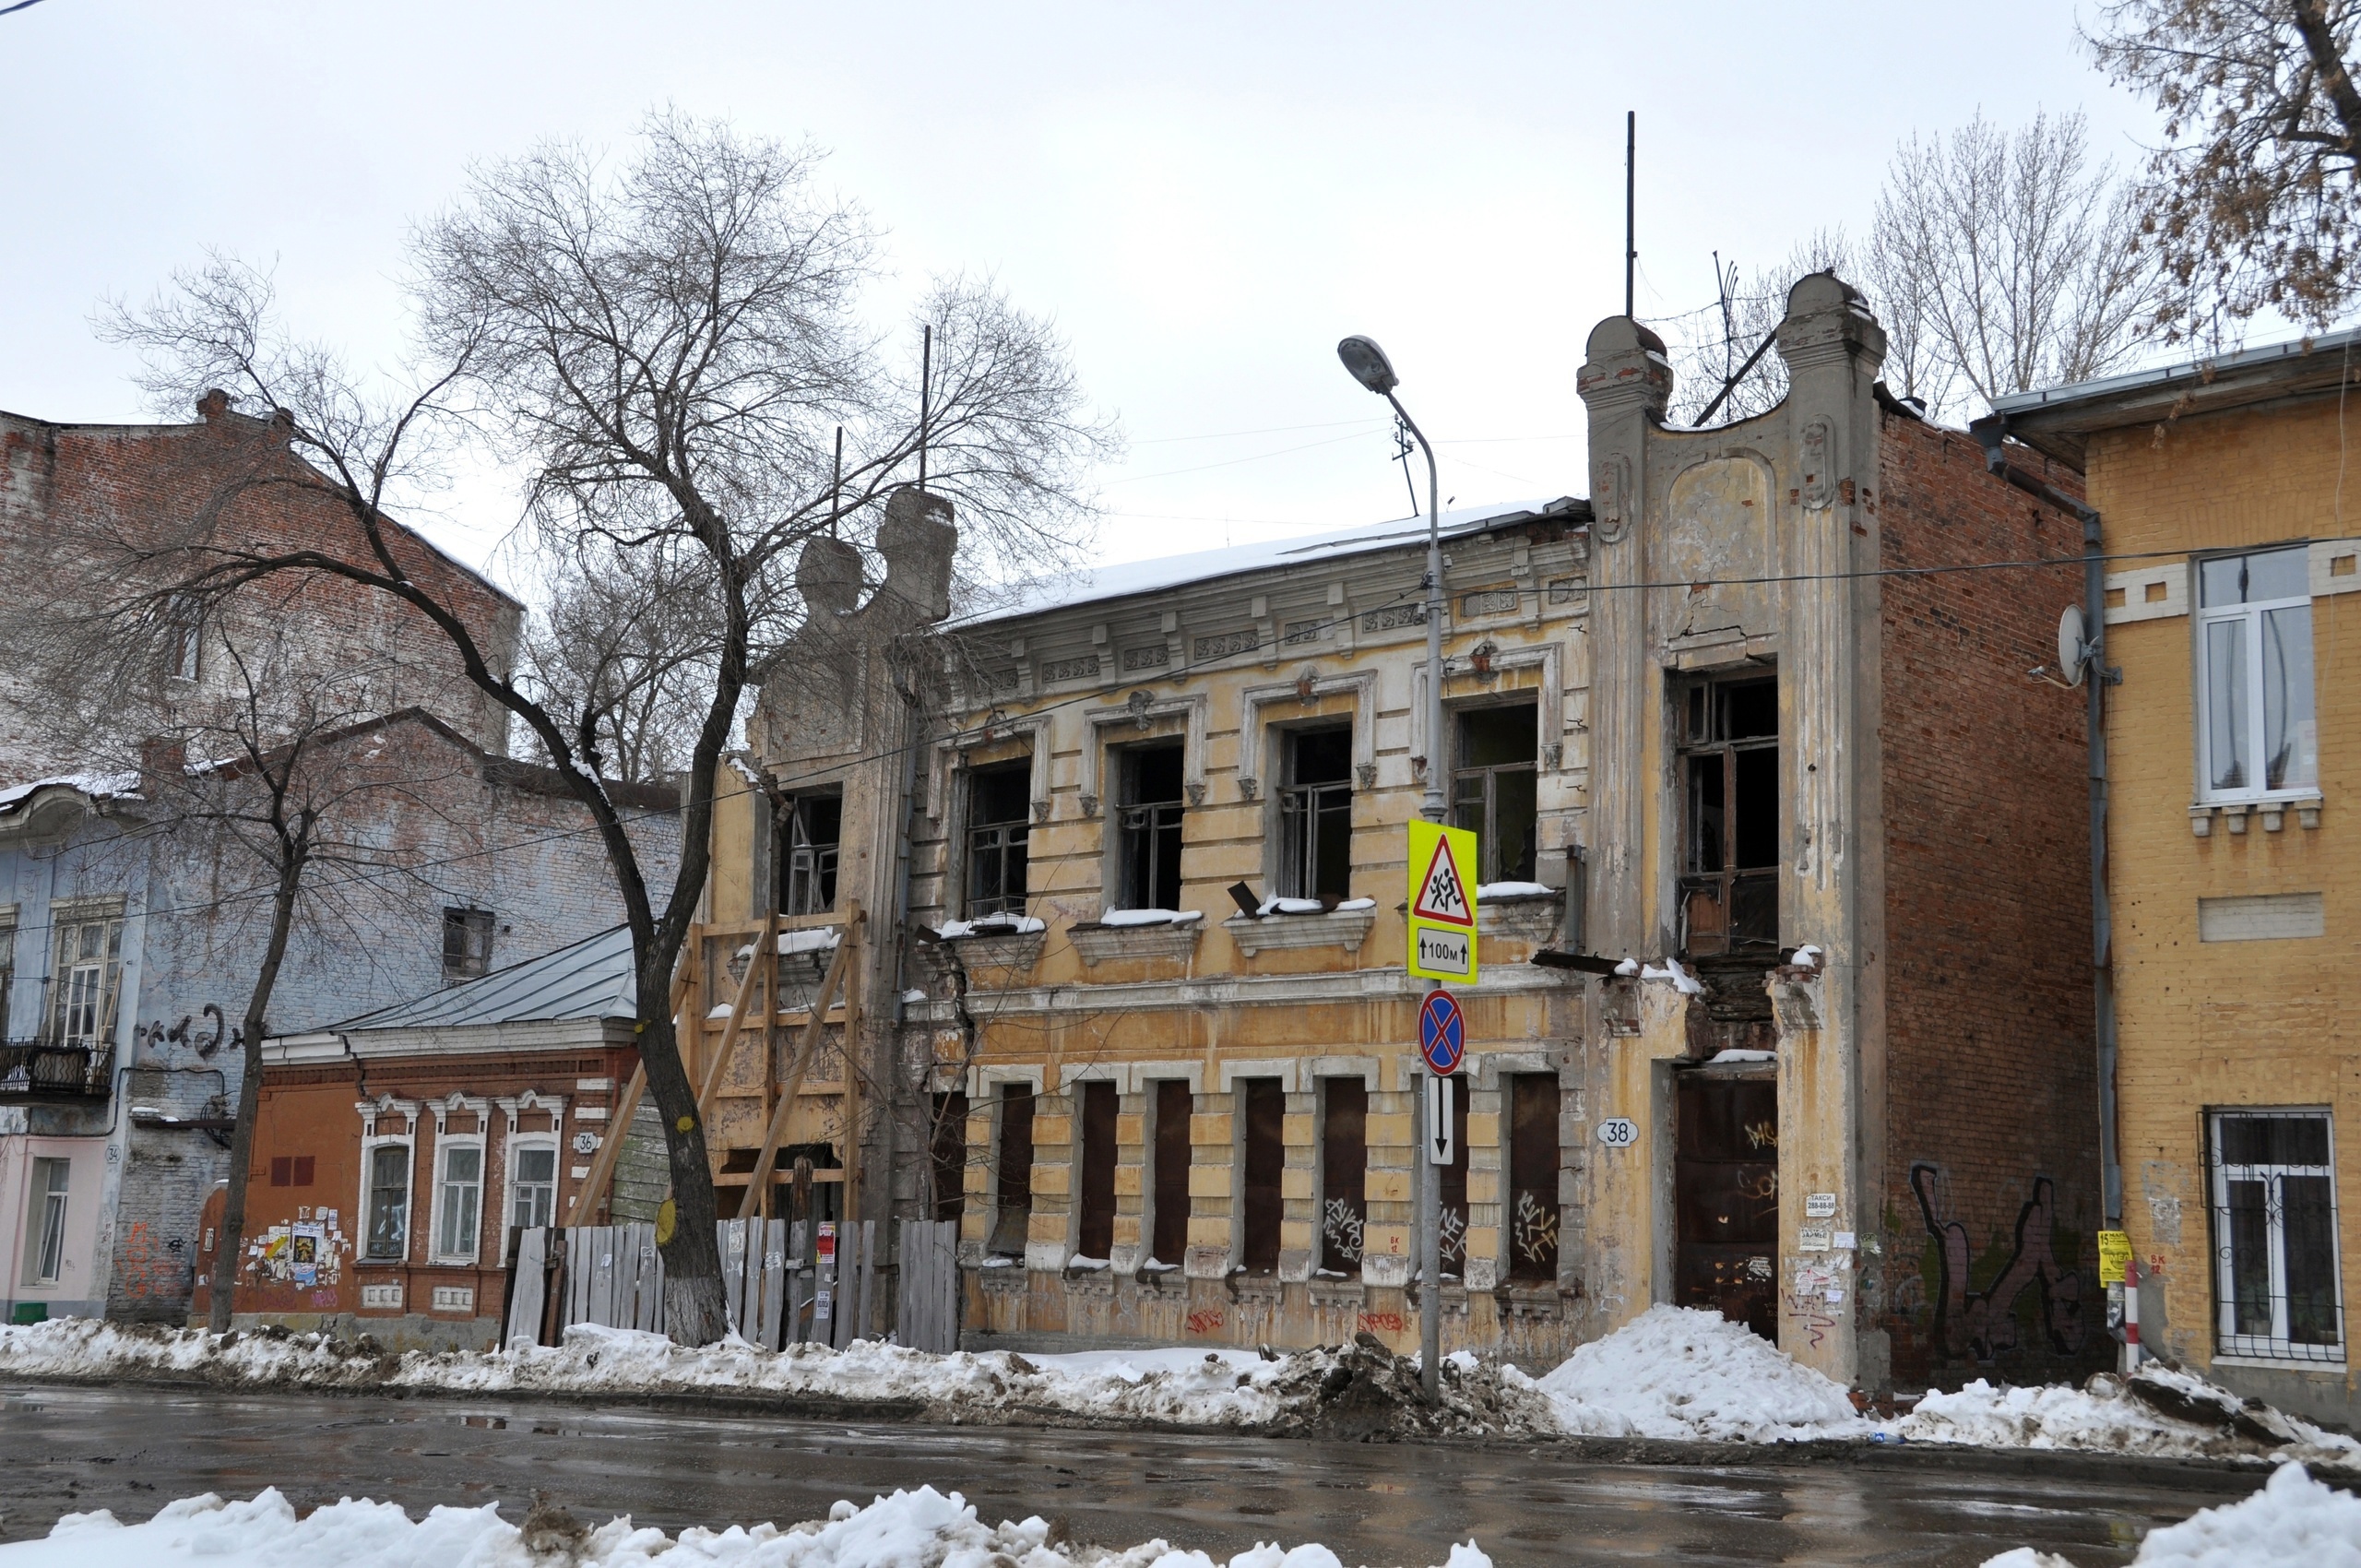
[(1533, 1176), (1097, 1236), (1343, 1172), (1455, 1185), (950, 1143), (1013, 1188), (1173, 1104), (1266, 1106)]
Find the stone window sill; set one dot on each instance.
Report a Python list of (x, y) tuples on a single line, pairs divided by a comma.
[(1529, 917), (2274, 815), (1337, 928), (1003, 950), (2285, 1363), (1099, 943)]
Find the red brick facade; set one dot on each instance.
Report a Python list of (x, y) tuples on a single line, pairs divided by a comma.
[(1990, 1090)]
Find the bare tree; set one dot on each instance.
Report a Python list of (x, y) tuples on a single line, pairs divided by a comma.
[(2012, 259), (2249, 201), (624, 647), (1711, 348), (666, 347)]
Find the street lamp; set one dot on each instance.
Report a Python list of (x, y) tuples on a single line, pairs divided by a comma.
[(1369, 366)]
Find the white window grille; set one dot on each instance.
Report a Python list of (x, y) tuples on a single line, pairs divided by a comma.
[(2276, 1276), (532, 1187), (2257, 733), (458, 1202)]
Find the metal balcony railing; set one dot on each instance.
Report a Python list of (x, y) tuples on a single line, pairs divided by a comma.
[(38, 1070)]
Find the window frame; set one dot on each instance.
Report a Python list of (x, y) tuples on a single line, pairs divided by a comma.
[(64, 965), (476, 928), (1130, 818), (2279, 1345), (444, 1147), (1725, 884), (367, 1208), (1488, 835), (532, 1143), (2252, 615), (48, 1211), (808, 869), (185, 638), (1014, 834), (1299, 810)]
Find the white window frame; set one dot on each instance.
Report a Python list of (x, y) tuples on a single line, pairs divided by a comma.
[(407, 1144), (104, 972), (2277, 1346), (2250, 616), (443, 1148), (48, 1209), (518, 1143)]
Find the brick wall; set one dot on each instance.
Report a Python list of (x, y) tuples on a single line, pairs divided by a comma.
[(1990, 1087), (78, 502)]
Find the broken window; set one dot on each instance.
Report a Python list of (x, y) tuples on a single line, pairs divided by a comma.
[(1095, 1237), (1147, 826), (1343, 1172), (950, 1148), (1316, 815), (89, 965), (807, 869), (1494, 793), (45, 1257), (1263, 1102), (1533, 1176), (998, 832), (1730, 772), (2274, 1236), (2254, 629), (389, 1202), (466, 943), (184, 637), (1012, 1185), (1173, 1105)]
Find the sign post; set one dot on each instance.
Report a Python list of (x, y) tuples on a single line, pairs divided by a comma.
[(1442, 1042)]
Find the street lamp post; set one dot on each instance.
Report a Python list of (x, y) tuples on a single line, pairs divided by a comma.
[(1369, 366)]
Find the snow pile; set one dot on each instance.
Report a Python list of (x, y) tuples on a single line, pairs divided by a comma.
[(1234, 1391), (909, 1529), (2294, 1522), (2156, 1412), (1150, 917), (1275, 905), (990, 925), (1671, 971), (819, 940), (1490, 890), (1685, 1373)]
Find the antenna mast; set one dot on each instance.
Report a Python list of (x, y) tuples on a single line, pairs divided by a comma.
[(837, 484), (1631, 164), (926, 395)]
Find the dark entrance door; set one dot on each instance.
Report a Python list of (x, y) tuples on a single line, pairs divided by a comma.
[(1725, 1185)]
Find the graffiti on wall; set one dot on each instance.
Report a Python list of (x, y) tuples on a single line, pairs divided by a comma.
[(1982, 1323)]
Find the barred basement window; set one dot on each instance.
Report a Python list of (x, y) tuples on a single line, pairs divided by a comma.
[(2273, 1196)]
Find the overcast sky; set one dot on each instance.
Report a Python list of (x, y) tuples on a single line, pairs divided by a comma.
[(1204, 197)]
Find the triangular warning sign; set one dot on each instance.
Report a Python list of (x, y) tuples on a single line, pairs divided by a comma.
[(1442, 894)]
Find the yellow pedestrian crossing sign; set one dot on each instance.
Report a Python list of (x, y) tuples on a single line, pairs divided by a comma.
[(1443, 903)]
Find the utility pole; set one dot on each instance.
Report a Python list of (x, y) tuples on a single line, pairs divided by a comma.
[(1630, 231)]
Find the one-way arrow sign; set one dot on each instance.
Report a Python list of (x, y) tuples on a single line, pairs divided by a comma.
[(1441, 1094)]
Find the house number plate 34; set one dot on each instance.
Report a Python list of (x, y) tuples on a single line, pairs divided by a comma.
[(1619, 1132)]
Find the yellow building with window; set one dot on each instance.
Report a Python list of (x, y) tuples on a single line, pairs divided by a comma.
[(2233, 860)]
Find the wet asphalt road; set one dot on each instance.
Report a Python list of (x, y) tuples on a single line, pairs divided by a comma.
[(132, 1449)]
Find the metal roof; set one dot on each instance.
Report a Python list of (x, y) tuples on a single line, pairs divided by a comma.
[(593, 978)]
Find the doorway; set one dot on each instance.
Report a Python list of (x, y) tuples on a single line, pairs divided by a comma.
[(1725, 1196)]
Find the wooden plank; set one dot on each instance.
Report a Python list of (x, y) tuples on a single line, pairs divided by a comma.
[(766, 956), (773, 1281), (811, 1028), (526, 1299), (648, 1310), (853, 1067), (577, 1275), (600, 1240)]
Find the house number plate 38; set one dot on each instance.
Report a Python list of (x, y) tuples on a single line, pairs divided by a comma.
[(1619, 1132)]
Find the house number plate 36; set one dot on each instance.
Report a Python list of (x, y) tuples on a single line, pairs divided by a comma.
[(1619, 1132)]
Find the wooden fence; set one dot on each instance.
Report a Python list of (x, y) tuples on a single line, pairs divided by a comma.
[(928, 1319), (783, 1284)]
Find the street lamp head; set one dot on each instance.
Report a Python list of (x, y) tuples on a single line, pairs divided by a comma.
[(1369, 364)]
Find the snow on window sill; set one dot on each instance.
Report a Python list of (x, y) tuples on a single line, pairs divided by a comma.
[(1125, 933), (1344, 926)]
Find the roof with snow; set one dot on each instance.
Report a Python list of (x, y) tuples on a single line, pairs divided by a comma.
[(1130, 578), (593, 978)]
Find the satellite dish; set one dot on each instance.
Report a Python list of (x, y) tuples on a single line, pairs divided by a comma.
[(2072, 647)]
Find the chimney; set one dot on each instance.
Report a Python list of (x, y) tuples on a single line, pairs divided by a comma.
[(163, 763), (213, 405)]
